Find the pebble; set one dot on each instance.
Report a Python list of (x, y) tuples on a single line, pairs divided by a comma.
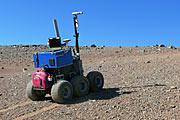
[(173, 87), (171, 47), (29, 75), (100, 66), (101, 62), (172, 106), (161, 45), (147, 62), (168, 90), (114, 106), (97, 117), (159, 49), (24, 69), (106, 111), (93, 100), (142, 51)]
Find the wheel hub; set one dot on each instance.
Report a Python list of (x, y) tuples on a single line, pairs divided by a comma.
[(98, 81), (66, 92), (83, 86)]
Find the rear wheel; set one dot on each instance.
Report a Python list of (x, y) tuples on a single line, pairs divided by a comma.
[(80, 85), (96, 81), (62, 91), (34, 94)]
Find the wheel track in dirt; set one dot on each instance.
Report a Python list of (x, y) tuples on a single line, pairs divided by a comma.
[(37, 112), (52, 106), (15, 106)]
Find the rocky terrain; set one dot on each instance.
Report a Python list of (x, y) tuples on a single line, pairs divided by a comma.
[(140, 83)]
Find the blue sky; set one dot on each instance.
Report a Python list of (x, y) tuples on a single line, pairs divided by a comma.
[(104, 22)]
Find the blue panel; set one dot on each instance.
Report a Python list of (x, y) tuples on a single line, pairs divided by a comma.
[(64, 59), (60, 58)]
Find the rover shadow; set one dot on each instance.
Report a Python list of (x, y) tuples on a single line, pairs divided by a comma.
[(104, 94)]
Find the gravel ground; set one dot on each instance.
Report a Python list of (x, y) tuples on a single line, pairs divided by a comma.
[(140, 83)]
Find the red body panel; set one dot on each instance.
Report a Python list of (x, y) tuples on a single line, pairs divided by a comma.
[(40, 79)]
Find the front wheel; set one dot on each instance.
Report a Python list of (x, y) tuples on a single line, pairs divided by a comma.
[(96, 81), (32, 94), (62, 91)]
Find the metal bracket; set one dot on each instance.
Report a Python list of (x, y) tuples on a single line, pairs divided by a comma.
[(60, 77)]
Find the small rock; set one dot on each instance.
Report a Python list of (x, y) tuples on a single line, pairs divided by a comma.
[(24, 69), (114, 106), (93, 45), (0, 94), (1, 77), (106, 111), (2, 68), (161, 45), (147, 62), (144, 112), (14, 94), (101, 62), (141, 51), (112, 117), (97, 117), (171, 47), (159, 49), (29, 75), (173, 87), (172, 106), (168, 90), (100, 66), (156, 45)]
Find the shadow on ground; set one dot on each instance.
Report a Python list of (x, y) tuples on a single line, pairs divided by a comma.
[(104, 94)]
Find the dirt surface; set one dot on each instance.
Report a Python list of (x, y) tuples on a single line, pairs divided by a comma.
[(140, 83)]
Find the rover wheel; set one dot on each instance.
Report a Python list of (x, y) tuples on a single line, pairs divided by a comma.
[(34, 94), (96, 81), (80, 85), (62, 91)]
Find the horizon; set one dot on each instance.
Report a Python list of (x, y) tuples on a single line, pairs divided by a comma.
[(165, 46)]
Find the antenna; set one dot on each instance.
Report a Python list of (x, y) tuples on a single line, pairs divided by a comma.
[(75, 29), (56, 28)]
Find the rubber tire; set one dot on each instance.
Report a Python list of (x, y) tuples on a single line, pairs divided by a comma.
[(57, 91), (80, 85), (92, 77), (34, 94)]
